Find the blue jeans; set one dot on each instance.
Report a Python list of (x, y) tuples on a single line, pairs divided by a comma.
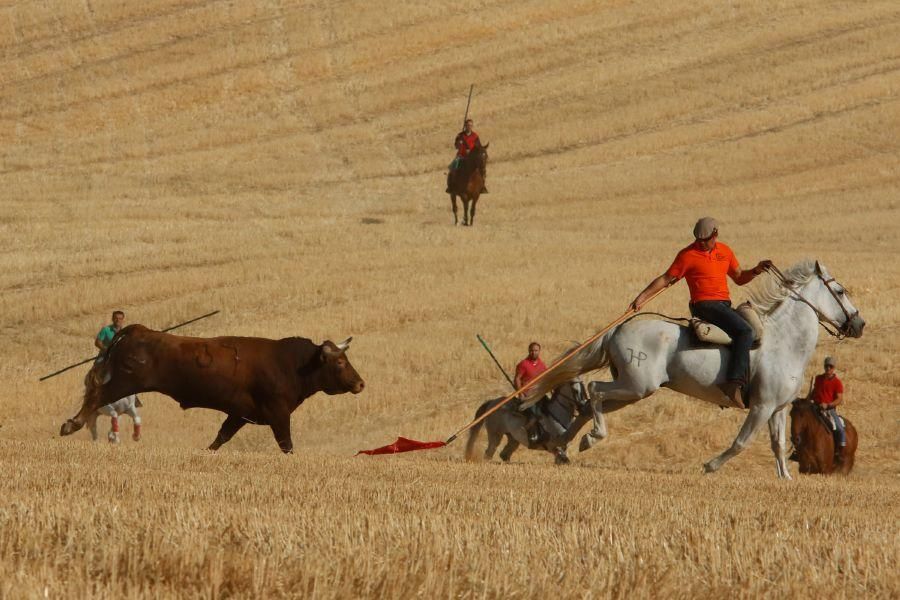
[(720, 314), (838, 427)]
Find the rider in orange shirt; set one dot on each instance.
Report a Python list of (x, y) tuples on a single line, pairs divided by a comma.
[(704, 264)]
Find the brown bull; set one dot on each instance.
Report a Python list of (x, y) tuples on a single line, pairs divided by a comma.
[(252, 380)]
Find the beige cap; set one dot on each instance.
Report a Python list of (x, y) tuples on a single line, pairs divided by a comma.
[(705, 227), (829, 361)]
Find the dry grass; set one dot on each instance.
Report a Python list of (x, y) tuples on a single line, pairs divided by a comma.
[(284, 162)]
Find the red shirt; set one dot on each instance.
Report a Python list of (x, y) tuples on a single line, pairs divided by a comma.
[(527, 369), (825, 389), (705, 271), (466, 143)]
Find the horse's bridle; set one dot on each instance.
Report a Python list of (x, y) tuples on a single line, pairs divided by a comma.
[(838, 331)]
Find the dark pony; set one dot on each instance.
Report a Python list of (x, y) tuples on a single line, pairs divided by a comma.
[(568, 408), (814, 441), (467, 181)]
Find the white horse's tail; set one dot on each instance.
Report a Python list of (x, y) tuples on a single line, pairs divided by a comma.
[(590, 358)]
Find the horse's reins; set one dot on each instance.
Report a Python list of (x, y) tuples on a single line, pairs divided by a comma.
[(839, 331)]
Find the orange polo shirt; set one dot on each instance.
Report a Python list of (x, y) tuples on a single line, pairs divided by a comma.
[(705, 271)]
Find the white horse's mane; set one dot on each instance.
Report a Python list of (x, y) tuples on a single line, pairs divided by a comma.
[(770, 294)]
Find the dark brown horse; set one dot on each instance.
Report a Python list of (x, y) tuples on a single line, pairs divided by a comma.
[(467, 181), (814, 441)]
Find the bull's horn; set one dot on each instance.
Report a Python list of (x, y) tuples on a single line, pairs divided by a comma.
[(345, 344)]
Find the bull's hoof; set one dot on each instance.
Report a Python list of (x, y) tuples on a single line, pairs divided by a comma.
[(562, 459), (69, 427)]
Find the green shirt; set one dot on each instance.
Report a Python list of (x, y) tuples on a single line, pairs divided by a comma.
[(106, 335)]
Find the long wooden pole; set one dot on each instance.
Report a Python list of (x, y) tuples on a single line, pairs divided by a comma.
[(87, 360), (494, 358), (531, 383), (466, 118)]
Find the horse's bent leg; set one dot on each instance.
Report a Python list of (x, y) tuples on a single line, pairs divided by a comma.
[(231, 426), (759, 414), (494, 438), (574, 428), (512, 444), (455, 213), (607, 396), (777, 425)]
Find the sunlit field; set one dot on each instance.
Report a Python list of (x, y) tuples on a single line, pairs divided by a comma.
[(284, 163)]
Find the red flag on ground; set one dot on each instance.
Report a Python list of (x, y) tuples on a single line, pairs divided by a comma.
[(403, 445)]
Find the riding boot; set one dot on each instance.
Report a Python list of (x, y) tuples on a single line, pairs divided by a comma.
[(838, 455), (732, 391)]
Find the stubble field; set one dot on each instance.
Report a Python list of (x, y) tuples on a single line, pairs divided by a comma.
[(284, 163)]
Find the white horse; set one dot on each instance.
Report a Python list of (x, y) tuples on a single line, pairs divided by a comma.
[(124, 406), (645, 355)]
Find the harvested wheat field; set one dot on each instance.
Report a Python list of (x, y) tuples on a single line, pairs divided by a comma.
[(284, 163)]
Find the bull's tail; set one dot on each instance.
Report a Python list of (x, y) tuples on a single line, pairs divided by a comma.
[(592, 357), (476, 429)]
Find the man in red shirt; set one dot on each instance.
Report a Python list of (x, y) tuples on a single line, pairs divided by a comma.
[(531, 366), (528, 368), (828, 393), (704, 264), (466, 141)]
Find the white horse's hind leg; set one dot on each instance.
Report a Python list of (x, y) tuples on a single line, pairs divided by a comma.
[(607, 396), (757, 416), (777, 425)]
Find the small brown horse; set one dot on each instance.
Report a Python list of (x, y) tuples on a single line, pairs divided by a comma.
[(814, 442), (467, 181)]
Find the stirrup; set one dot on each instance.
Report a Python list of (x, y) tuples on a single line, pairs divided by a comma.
[(732, 391)]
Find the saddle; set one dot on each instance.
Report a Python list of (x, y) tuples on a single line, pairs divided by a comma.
[(556, 413), (710, 334), (826, 420)]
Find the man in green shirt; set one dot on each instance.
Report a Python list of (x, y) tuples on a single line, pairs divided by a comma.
[(127, 405), (106, 335)]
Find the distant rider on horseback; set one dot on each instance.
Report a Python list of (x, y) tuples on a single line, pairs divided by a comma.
[(828, 394), (466, 141), (704, 265)]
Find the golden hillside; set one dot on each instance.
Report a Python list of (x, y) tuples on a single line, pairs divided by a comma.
[(284, 162)]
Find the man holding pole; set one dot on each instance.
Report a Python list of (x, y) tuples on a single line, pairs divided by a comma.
[(128, 404), (106, 335), (704, 264), (528, 368), (466, 141)]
